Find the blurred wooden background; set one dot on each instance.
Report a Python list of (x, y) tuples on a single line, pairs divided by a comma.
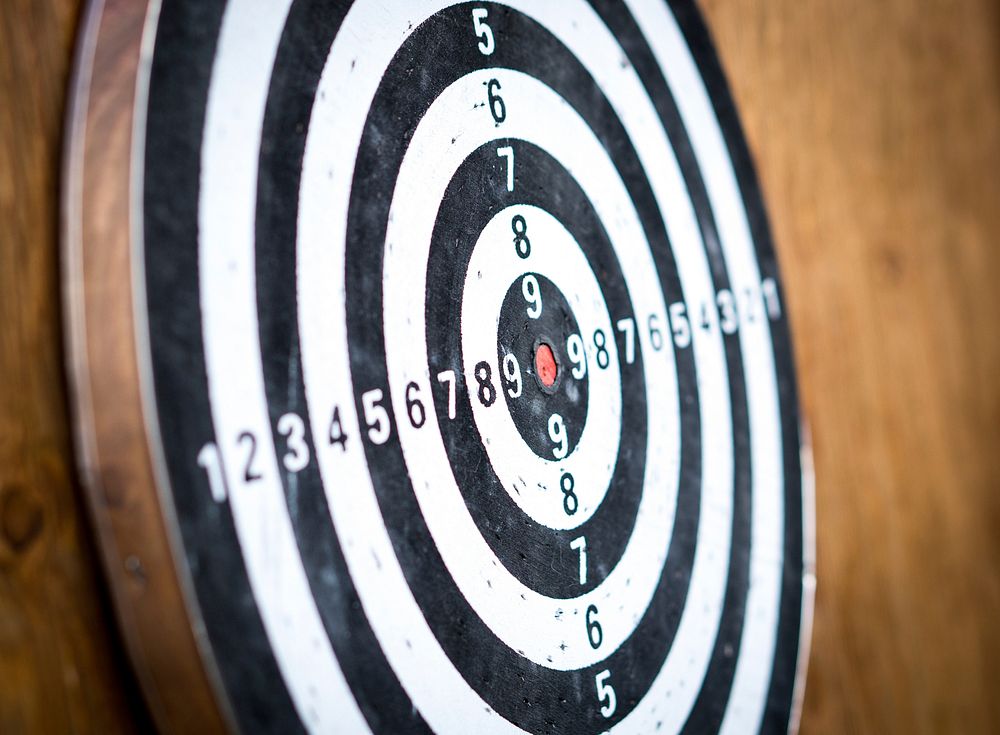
[(876, 129)]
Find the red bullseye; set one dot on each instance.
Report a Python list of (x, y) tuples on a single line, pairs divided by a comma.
[(545, 365)]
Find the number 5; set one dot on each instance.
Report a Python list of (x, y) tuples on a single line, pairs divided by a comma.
[(605, 692), (681, 325), (487, 45), (376, 416)]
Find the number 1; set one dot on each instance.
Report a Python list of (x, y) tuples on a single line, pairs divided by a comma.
[(210, 461)]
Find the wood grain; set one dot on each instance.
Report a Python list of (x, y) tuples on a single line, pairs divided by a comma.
[(61, 666), (876, 129)]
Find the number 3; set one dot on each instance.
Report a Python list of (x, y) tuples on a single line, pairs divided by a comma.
[(293, 429), (487, 45)]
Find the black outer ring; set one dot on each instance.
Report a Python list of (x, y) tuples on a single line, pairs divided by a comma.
[(519, 690), (180, 72), (537, 555)]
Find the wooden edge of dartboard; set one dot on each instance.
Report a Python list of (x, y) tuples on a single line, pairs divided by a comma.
[(808, 570), (101, 242)]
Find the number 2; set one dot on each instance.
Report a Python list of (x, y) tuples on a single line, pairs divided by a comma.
[(249, 473)]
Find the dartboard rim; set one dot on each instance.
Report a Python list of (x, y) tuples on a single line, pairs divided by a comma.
[(110, 379), (122, 479)]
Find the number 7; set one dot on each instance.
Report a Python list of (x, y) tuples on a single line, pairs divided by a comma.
[(627, 327), (508, 153), (580, 544), (448, 377)]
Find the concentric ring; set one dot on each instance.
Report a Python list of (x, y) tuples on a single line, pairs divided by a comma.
[(538, 555), (361, 563)]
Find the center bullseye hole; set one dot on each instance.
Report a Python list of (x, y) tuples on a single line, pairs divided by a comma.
[(545, 365)]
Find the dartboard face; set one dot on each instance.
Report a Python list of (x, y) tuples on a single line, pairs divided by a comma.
[(468, 379)]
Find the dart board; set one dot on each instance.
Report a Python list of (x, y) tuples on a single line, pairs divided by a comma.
[(432, 370)]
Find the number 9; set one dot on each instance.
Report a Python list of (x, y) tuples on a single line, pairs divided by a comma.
[(577, 355), (557, 433), (512, 371), (533, 295)]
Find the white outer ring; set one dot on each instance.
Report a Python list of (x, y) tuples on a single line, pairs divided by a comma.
[(237, 96)]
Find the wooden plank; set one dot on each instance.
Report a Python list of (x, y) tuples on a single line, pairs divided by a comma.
[(61, 663), (876, 129)]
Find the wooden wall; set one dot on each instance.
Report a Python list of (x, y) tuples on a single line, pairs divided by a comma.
[(62, 668), (876, 128)]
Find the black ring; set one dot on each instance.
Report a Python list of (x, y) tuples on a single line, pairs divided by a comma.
[(535, 554)]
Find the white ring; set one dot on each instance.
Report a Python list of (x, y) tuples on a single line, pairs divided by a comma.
[(531, 481), (248, 42)]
